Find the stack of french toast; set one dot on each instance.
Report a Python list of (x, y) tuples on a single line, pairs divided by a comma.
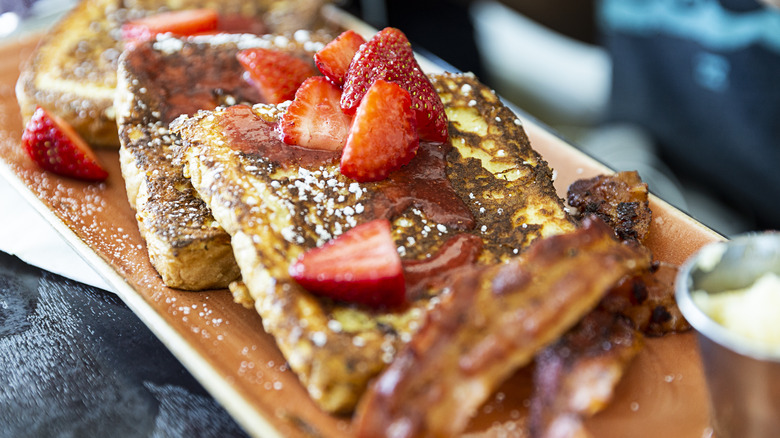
[(396, 231)]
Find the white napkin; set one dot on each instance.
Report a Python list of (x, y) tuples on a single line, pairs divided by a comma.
[(40, 245)]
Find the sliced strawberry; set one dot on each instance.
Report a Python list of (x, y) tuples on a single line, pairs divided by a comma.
[(361, 266), (388, 55), (275, 74), (180, 23), (55, 146), (383, 135), (237, 23), (314, 119), (333, 59)]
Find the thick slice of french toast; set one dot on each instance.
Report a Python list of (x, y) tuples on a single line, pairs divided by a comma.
[(72, 72), (158, 81), (486, 194)]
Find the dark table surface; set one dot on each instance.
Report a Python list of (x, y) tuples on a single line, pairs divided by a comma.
[(76, 362)]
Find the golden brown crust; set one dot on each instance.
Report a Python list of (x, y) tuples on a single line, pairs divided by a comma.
[(72, 72), (274, 213), (157, 81), (241, 294), (76, 82), (509, 185)]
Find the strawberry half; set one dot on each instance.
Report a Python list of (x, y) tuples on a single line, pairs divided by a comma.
[(55, 146), (389, 56), (275, 74), (383, 136), (314, 119), (333, 60), (180, 23), (361, 266), (237, 23)]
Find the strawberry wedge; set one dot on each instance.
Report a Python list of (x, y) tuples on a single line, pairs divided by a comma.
[(383, 135), (275, 74), (181, 23), (55, 146), (314, 118), (361, 266), (333, 60), (389, 56)]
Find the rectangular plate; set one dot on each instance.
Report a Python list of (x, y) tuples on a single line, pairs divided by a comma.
[(224, 346)]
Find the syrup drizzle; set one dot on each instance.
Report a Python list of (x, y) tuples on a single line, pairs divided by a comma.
[(247, 132), (423, 183), (184, 87), (432, 273)]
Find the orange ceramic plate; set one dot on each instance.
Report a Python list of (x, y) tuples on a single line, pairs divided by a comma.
[(224, 345)]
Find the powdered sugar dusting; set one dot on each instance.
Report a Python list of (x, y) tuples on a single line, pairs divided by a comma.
[(168, 44)]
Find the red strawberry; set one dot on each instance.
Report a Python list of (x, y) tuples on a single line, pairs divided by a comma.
[(237, 23), (55, 146), (388, 55), (333, 59), (275, 74), (314, 119), (383, 135), (181, 23), (361, 266)]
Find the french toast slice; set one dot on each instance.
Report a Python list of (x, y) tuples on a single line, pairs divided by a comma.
[(72, 72), (486, 189), (158, 81)]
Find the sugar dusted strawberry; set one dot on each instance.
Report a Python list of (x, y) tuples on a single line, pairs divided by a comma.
[(361, 266), (276, 75), (314, 118), (389, 56), (180, 23), (383, 136), (333, 59), (56, 147)]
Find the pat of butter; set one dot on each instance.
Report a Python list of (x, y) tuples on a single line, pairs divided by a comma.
[(753, 312)]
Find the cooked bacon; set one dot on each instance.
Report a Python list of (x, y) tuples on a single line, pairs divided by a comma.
[(621, 200), (493, 321), (648, 300), (575, 377)]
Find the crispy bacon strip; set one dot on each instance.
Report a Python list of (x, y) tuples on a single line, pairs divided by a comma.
[(621, 200), (648, 301), (575, 377), (493, 321)]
